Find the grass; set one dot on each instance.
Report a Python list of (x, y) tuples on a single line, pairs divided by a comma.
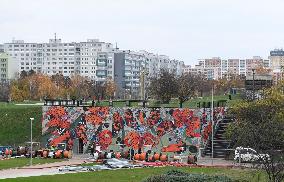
[(21, 162), (135, 175), (15, 124)]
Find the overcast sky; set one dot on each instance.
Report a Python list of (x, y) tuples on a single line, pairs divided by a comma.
[(182, 29)]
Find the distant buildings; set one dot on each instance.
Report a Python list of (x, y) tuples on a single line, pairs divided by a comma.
[(277, 64), (94, 59), (217, 68)]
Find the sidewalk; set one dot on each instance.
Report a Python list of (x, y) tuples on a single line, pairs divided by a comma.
[(39, 170), (217, 162)]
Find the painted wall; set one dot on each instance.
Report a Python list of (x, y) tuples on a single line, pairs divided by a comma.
[(115, 129)]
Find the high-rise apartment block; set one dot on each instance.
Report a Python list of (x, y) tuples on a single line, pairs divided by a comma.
[(93, 58), (217, 68)]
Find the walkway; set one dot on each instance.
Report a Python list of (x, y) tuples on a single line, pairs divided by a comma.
[(39, 170)]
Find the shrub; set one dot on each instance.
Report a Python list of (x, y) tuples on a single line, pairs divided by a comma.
[(179, 176)]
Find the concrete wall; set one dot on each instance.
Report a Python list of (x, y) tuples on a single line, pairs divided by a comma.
[(119, 129)]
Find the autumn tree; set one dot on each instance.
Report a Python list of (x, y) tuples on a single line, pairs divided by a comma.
[(19, 90), (164, 86), (45, 87), (80, 87), (110, 87)]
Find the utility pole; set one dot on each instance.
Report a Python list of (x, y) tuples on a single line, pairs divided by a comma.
[(253, 86), (212, 121), (31, 152)]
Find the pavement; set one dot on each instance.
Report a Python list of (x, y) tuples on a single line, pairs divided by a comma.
[(39, 170)]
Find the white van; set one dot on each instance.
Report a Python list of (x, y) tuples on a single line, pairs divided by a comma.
[(248, 155)]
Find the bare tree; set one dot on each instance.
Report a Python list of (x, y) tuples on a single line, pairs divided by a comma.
[(164, 86)]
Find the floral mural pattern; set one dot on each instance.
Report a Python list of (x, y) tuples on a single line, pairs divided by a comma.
[(165, 129)]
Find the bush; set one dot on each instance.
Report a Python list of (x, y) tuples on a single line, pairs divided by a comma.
[(179, 176)]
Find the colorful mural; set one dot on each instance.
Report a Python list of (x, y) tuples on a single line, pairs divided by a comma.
[(165, 129)]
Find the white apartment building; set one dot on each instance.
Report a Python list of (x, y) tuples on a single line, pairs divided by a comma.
[(58, 57), (93, 59), (1, 48), (217, 68), (8, 67)]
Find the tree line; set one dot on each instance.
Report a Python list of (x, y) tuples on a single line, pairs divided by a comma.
[(163, 87), (167, 85), (37, 86)]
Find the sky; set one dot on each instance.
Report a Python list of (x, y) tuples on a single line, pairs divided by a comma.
[(186, 30)]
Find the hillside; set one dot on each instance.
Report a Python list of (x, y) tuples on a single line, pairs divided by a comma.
[(15, 124)]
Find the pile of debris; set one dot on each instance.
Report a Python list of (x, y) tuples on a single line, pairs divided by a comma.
[(109, 164)]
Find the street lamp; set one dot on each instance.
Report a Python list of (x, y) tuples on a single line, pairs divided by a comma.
[(253, 86), (31, 155), (212, 121)]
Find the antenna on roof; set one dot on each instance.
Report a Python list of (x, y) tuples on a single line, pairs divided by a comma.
[(55, 37), (116, 46)]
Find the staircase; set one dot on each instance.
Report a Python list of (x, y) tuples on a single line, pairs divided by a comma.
[(220, 143)]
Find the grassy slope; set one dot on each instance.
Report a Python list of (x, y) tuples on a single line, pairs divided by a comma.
[(21, 162), (15, 124), (139, 174)]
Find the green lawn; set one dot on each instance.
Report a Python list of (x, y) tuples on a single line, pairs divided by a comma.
[(21, 162), (15, 124), (135, 175)]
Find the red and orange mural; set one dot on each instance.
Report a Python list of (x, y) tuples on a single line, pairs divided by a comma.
[(167, 130)]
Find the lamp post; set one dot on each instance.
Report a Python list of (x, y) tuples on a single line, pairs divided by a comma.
[(212, 121), (31, 152), (253, 86)]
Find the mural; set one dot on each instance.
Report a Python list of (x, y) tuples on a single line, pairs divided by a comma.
[(160, 130)]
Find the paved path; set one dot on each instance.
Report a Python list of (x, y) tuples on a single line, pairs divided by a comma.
[(206, 161), (38, 170)]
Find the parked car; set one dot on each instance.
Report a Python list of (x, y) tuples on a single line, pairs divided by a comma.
[(243, 154)]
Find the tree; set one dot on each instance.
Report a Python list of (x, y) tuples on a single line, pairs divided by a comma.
[(110, 87), (164, 86), (31, 72), (4, 90), (23, 74), (260, 125), (80, 87), (19, 90), (187, 88)]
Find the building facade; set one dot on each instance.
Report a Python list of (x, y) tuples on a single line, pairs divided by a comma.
[(94, 59), (217, 68), (8, 67), (277, 64)]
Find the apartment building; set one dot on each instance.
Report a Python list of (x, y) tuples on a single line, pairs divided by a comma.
[(8, 67), (93, 58), (217, 68), (277, 64), (1, 48), (276, 59), (128, 66), (58, 57)]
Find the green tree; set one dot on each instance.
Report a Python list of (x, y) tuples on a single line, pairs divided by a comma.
[(260, 125)]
